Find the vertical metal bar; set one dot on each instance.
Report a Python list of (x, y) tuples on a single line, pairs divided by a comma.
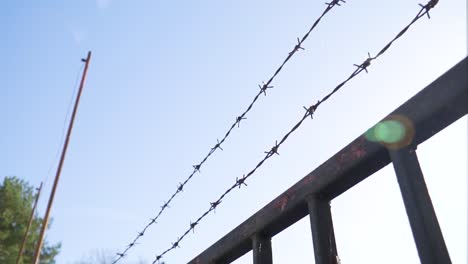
[(423, 220), (323, 234), (262, 249), (45, 222), (31, 217)]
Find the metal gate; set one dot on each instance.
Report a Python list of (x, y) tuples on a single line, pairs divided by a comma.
[(431, 110)]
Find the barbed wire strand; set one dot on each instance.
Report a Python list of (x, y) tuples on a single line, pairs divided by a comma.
[(309, 113), (263, 87)]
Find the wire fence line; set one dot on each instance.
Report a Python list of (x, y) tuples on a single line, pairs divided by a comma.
[(309, 112), (263, 87)]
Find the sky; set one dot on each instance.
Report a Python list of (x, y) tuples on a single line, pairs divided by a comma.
[(167, 79)]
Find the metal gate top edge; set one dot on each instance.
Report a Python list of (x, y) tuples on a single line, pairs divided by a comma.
[(431, 110)]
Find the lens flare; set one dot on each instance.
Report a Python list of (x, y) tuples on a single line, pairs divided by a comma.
[(395, 132), (390, 131)]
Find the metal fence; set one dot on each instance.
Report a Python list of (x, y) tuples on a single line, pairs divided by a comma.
[(431, 110)]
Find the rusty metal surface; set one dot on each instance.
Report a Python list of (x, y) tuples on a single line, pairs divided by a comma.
[(262, 253), (431, 110), (421, 214), (323, 234)]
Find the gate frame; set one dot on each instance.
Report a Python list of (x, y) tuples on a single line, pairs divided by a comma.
[(431, 110)]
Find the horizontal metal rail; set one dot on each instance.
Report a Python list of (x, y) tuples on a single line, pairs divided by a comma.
[(431, 110)]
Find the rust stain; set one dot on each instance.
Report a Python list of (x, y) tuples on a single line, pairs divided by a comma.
[(308, 179), (355, 151), (292, 195), (281, 203), (285, 199)]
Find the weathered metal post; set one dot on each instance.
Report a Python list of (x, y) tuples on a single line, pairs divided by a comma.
[(422, 217), (323, 234), (261, 245)]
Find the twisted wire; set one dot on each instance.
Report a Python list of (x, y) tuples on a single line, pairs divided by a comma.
[(309, 113), (263, 87)]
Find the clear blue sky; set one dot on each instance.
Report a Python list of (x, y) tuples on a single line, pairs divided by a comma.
[(167, 78)]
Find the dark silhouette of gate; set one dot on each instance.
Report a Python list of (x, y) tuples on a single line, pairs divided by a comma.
[(431, 110)]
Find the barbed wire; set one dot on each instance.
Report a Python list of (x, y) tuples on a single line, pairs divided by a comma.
[(263, 87), (309, 113)]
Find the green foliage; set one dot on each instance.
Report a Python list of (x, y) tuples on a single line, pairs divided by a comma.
[(16, 202)]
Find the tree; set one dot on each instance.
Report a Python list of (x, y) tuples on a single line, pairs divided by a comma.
[(16, 202)]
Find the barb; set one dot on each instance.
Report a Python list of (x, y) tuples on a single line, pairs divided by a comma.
[(263, 88), (274, 150), (241, 181), (309, 112)]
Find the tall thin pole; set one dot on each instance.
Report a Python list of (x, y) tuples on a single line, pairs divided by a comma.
[(62, 159), (31, 217)]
